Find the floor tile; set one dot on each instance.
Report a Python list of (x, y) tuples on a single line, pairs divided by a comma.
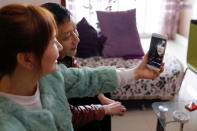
[(145, 120)]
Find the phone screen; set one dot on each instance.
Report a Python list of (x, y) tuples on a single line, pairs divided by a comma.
[(156, 52)]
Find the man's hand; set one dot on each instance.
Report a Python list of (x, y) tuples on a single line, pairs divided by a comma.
[(115, 108)]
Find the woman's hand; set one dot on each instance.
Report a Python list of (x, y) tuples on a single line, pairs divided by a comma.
[(104, 100), (115, 108), (142, 71)]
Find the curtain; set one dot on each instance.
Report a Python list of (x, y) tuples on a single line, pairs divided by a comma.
[(170, 18)]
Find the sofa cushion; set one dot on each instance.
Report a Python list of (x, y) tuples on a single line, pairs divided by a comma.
[(121, 32), (91, 42)]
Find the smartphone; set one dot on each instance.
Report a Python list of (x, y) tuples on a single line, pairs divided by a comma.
[(156, 51)]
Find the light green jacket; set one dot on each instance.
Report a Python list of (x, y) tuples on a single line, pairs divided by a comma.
[(55, 88)]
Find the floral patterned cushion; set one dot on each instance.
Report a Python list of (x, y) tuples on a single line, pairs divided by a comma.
[(165, 87)]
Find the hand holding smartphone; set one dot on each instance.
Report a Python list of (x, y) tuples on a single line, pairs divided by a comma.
[(156, 51)]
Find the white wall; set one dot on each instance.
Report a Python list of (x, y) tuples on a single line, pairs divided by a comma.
[(36, 2), (187, 13), (194, 13)]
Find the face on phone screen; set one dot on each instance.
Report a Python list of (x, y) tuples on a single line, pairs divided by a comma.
[(156, 51)]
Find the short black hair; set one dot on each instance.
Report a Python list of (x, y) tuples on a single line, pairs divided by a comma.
[(61, 14)]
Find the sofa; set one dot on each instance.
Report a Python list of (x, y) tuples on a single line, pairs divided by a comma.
[(118, 44), (165, 87)]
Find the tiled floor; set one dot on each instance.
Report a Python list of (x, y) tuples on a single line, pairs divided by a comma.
[(145, 120)]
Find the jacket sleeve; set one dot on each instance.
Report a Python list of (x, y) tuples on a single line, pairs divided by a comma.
[(85, 81), (82, 115)]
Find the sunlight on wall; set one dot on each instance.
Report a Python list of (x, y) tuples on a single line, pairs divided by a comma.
[(194, 14), (36, 2)]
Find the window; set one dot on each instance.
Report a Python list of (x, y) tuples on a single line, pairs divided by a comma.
[(150, 13)]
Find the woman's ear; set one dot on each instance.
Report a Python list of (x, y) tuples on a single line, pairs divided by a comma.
[(26, 60)]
